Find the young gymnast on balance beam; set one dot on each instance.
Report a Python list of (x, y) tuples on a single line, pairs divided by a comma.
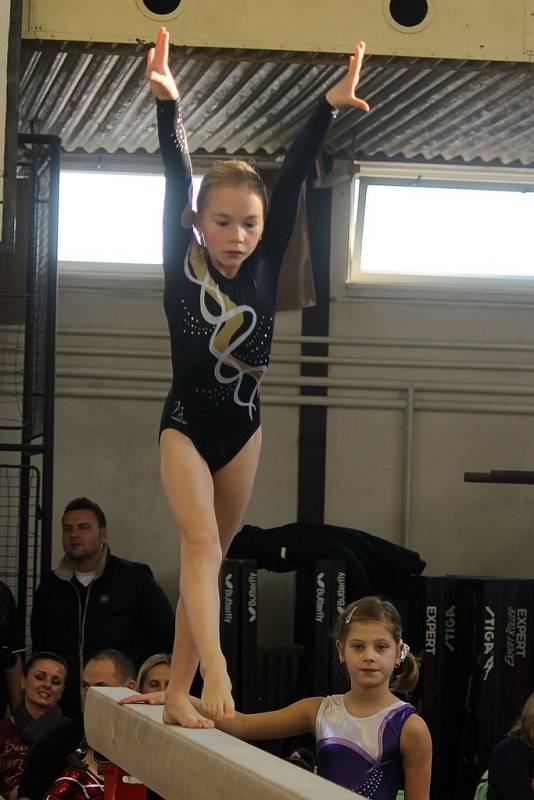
[(219, 298)]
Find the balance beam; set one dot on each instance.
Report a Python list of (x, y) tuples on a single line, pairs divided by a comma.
[(184, 764)]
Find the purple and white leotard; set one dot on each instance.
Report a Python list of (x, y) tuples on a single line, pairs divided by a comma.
[(361, 753)]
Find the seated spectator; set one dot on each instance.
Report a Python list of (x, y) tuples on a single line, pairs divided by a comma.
[(79, 782), (153, 675), (511, 767), (11, 649), (48, 761), (95, 600), (42, 683)]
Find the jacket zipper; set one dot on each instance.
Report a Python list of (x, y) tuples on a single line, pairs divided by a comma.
[(81, 629)]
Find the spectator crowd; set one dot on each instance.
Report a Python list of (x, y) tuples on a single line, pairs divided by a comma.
[(101, 620), (96, 620)]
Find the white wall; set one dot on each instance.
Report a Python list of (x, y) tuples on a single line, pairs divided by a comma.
[(465, 360), (466, 367)]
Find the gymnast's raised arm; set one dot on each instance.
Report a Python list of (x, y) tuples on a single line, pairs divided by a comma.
[(302, 154), (173, 147)]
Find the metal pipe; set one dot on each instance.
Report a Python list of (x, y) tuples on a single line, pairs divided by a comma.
[(121, 333), (23, 526), (408, 466), (328, 401), (501, 476), (35, 449), (299, 381), (27, 429), (54, 143), (419, 344), (329, 360)]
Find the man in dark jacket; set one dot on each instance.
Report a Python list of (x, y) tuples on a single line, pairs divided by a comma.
[(95, 601)]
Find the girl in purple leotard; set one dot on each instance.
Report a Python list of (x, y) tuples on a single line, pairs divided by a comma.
[(367, 739)]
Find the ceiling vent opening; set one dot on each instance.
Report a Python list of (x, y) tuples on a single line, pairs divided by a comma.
[(408, 13), (161, 7)]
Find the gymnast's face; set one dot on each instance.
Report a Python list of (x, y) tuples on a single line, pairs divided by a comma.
[(369, 652), (231, 223)]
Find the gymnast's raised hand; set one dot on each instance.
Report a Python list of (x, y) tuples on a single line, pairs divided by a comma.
[(219, 297), (343, 93), (159, 76)]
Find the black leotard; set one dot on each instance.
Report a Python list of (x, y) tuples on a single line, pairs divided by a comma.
[(221, 328)]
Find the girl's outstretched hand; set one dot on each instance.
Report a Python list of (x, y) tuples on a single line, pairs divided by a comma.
[(342, 94), (162, 84), (152, 698)]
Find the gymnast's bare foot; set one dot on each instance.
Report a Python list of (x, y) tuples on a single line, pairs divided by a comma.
[(194, 718), (180, 711), (217, 700)]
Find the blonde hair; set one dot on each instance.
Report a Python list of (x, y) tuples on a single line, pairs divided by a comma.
[(374, 609), (237, 174), (146, 666), (523, 728)]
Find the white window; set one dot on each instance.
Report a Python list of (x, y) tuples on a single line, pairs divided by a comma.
[(421, 227), (107, 217)]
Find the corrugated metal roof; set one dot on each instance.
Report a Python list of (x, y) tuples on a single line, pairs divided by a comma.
[(96, 99)]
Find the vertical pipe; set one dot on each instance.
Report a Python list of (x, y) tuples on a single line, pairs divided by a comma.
[(408, 467), (27, 396), (34, 572), (50, 380), (24, 499)]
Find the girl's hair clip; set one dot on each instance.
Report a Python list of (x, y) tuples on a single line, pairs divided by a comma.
[(403, 652), (350, 615)]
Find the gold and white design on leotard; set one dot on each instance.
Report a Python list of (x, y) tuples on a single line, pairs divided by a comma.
[(230, 329)]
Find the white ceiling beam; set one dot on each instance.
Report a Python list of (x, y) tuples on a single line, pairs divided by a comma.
[(501, 30)]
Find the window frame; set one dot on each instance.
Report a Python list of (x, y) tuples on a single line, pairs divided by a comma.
[(365, 174), (132, 164)]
